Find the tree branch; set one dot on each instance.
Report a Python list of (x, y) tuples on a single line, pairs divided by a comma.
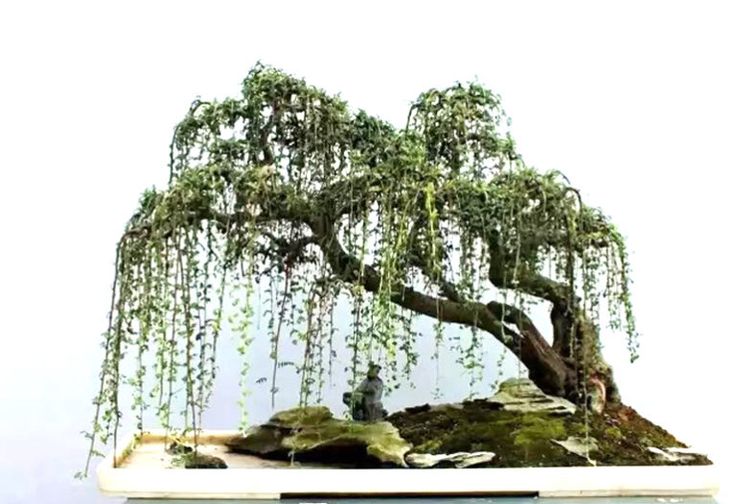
[(533, 284), (348, 267), (447, 288), (278, 203), (545, 366), (289, 250)]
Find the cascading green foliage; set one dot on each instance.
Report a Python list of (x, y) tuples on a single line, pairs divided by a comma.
[(285, 198)]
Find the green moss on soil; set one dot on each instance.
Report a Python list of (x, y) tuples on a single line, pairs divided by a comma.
[(525, 439), (196, 460)]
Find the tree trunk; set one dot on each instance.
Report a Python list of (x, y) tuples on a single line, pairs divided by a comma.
[(575, 341), (552, 371)]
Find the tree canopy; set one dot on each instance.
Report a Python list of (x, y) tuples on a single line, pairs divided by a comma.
[(287, 190)]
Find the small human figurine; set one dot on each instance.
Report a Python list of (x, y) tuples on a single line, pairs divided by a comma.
[(365, 402)]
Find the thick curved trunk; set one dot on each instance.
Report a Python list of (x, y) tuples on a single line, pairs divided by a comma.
[(549, 369), (575, 339)]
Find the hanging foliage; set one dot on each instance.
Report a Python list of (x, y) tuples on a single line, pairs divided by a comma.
[(284, 189)]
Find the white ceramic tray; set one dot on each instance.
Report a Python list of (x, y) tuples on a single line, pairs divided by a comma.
[(143, 470)]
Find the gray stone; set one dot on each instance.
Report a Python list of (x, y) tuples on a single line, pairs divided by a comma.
[(311, 434), (579, 446), (459, 459), (674, 455), (266, 440), (300, 417), (523, 396)]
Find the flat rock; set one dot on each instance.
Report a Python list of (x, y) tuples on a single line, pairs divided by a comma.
[(459, 459), (311, 434), (579, 446), (300, 417), (379, 440), (263, 440), (523, 396), (674, 454)]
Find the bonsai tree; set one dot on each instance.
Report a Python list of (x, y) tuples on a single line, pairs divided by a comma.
[(287, 191)]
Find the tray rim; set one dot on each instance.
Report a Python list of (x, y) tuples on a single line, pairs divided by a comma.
[(269, 483)]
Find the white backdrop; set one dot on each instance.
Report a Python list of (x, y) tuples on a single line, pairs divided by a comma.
[(634, 102)]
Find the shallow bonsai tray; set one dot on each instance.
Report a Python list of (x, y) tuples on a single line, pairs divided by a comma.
[(142, 469)]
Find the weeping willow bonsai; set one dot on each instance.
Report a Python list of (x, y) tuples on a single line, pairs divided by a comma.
[(287, 191)]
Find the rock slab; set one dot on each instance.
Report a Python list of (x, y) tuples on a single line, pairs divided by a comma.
[(523, 396), (460, 459), (674, 455), (579, 446), (312, 433)]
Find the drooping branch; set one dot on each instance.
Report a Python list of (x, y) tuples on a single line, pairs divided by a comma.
[(274, 202), (348, 267), (533, 284), (528, 282), (289, 251), (545, 366), (447, 288)]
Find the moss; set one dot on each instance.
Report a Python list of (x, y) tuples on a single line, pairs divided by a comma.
[(300, 417), (517, 439), (536, 429), (177, 448), (196, 460), (430, 446), (525, 439), (613, 433)]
